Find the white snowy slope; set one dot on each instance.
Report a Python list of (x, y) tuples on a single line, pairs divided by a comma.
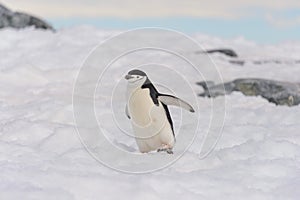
[(41, 157)]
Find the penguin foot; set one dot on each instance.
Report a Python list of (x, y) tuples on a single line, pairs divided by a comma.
[(169, 150), (166, 148)]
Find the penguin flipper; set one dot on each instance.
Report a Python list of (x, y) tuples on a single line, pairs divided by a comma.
[(127, 112), (175, 101)]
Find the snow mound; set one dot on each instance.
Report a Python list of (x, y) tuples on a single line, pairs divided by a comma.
[(258, 156)]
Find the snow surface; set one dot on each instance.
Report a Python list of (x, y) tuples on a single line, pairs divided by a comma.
[(41, 157)]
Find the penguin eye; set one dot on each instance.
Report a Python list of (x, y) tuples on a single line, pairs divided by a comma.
[(138, 76)]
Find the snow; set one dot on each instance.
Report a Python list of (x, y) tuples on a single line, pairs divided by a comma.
[(257, 157)]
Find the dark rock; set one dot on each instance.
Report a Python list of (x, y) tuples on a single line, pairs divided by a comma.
[(264, 61), (19, 20), (278, 92), (227, 52), (237, 62)]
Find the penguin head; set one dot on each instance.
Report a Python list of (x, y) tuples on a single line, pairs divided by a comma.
[(136, 77)]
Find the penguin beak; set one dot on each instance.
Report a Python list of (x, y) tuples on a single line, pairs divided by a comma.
[(127, 77)]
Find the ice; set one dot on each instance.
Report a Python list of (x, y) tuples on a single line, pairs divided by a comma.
[(41, 156)]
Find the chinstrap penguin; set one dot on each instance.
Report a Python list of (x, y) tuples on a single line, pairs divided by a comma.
[(149, 114)]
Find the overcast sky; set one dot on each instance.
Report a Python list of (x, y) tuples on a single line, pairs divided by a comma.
[(281, 15)]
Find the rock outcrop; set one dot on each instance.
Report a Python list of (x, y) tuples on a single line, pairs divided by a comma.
[(20, 20), (278, 92)]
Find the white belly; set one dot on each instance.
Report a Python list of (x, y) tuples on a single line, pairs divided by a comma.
[(149, 122)]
